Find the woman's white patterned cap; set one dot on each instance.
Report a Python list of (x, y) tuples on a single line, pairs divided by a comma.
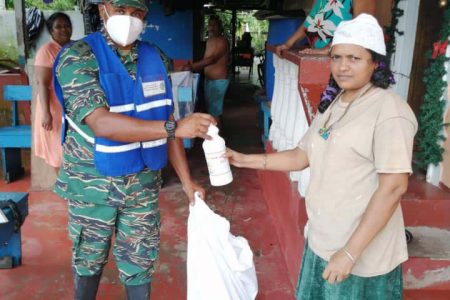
[(363, 31)]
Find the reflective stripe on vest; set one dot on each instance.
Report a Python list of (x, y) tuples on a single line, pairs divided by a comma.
[(155, 143), (154, 104), (113, 149), (121, 108)]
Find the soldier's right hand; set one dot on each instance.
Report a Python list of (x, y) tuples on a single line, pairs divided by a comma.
[(195, 125)]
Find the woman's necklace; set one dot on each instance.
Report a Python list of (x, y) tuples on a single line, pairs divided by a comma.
[(325, 131)]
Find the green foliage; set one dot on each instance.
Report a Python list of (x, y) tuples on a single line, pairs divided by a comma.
[(391, 30), (58, 5), (8, 51), (9, 56), (430, 134), (258, 29), (9, 4)]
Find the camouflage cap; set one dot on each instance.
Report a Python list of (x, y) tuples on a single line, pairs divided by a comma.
[(141, 4)]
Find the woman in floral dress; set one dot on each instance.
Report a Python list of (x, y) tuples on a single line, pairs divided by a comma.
[(322, 21)]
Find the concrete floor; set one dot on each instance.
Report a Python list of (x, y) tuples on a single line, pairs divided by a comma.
[(430, 242)]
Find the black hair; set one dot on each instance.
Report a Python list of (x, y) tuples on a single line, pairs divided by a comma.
[(217, 19), (328, 95), (55, 16), (382, 77)]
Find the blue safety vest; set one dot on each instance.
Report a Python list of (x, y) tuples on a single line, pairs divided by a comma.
[(149, 97)]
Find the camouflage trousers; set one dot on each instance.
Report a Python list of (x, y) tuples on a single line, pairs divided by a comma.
[(136, 244)]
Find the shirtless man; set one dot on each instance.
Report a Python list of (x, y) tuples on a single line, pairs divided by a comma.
[(215, 65)]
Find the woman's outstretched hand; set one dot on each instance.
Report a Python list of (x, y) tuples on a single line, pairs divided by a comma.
[(235, 158)]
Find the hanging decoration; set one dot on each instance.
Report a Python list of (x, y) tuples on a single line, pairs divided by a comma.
[(439, 49), (430, 135), (392, 30)]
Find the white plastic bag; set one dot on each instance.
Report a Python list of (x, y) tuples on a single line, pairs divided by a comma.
[(184, 90), (219, 265)]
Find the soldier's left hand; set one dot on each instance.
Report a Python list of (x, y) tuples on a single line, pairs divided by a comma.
[(191, 188)]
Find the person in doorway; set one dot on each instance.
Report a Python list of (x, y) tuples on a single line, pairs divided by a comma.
[(322, 21), (215, 64), (245, 44), (118, 104), (47, 121), (359, 152)]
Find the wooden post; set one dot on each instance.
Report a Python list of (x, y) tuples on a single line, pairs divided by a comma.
[(198, 28), (22, 34), (233, 37)]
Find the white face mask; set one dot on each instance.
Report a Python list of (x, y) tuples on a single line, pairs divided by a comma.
[(124, 30)]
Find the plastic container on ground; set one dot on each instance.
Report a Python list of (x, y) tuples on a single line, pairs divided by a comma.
[(184, 89)]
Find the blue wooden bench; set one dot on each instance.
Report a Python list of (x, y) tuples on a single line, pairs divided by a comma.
[(14, 137), (265, 109), (264, 116)]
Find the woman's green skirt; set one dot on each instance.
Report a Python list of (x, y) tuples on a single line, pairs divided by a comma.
[(311, 285)]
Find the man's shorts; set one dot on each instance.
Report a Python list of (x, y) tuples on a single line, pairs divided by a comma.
[(214, 95)]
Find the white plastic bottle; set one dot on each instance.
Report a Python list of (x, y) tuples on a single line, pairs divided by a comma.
[(218, 165)]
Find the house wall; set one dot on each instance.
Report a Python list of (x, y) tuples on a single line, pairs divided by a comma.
[(173, 34)]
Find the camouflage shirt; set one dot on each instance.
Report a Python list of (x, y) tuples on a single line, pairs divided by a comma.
[(77, 73)]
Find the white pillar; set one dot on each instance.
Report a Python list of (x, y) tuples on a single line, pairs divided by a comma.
[(403, 57), (285, 106), (301, 126), (292, 104), (276, 101)]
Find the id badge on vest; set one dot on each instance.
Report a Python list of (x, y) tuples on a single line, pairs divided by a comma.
[(154, 86)]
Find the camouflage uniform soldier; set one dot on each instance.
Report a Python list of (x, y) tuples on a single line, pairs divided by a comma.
[(118, 106)]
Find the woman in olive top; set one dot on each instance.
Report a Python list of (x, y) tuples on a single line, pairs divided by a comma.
[(359, 152)]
